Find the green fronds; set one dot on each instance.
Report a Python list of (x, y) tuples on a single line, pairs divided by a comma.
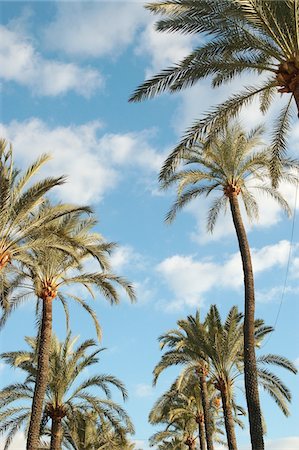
[(213, 122), (214, 211), (182, 200), (236, 37), (67, 363), (230, 158), (279, 361), (279, 142), (213, 349)]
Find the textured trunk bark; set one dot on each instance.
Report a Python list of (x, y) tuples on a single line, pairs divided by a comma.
[(296, 96), (228, 420), (42, 376), (250, 370), (56, 434), (201, 435), (206, 410)]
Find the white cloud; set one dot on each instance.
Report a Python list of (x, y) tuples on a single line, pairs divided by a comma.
[(21, 63), (18, 443), (145, 292), (287, 443), (94, 164), (132, 149), (143, 390), (142, 445), (189, 279), (270, 295), (124, 256), (94, 29)]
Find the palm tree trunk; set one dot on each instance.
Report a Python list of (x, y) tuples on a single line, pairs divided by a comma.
[(56, 434), (296, 96), (201, 432), (250, 369), (42, 375), (228, 419), (206, 411)]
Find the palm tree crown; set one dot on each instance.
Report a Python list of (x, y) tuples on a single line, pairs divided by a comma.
[(240, 36), (229, 165), (66, 399)]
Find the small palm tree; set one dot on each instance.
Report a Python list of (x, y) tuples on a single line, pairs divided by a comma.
[(240, 36), (66, 401), (184, 401), (176, 437), (230, 164), (91, 432)]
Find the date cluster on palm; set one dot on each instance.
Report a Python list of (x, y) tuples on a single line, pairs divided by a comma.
[(57, 413), (49, 291), (4, 259), (288, 75)]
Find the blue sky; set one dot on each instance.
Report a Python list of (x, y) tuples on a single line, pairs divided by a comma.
[(67, 70)]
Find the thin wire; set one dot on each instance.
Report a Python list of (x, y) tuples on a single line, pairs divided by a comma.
[(287, 270)]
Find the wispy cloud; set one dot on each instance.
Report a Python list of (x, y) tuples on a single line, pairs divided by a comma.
[(143, 390), (21, 63), (85, 29), (286, 443), (189, 279), (18, 443), (94, 161)]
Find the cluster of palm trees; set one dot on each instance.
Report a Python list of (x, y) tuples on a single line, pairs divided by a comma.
[(44, 248), (238, 37), (202, 399)]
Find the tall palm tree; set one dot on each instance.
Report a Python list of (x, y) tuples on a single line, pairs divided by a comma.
[(48, 274), (66, 401), (230, 164), (237, 37)]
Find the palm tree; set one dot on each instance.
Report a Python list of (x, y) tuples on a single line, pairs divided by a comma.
[(183, 350), (240, 36), (231, 163), (176, 437), (23, 221), (183, 400), (66, 401), (89, 432), (48, 273), (220, 346)]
